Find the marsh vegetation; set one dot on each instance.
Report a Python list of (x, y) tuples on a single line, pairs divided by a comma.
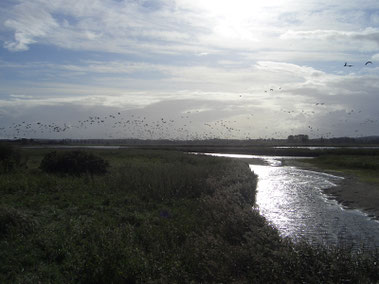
[(154, 217), (366, 167)]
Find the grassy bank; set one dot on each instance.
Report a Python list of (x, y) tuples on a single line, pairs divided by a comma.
[(366, 167), (157, 216)]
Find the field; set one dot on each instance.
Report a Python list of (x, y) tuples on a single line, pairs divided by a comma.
[(155, 217)]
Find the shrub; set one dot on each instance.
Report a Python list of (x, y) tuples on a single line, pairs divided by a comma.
[(74, 163), (10, 158)]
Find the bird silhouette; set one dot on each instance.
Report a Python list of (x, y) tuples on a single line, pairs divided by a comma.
[(348, 65), (368, 62)]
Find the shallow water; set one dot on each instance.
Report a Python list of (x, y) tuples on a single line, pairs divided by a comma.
[(75, 147), (292, 200)]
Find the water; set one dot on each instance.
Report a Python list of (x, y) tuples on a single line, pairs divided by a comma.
[(293, 201), (102, 147)]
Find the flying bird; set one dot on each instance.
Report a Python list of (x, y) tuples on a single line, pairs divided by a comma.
[(348, 65), (368, 62)]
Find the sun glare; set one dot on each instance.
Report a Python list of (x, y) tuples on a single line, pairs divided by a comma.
[(238, 19)]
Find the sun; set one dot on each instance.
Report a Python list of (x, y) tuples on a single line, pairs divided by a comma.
[(238, 19)]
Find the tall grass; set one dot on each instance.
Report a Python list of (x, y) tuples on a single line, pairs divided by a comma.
[(350, 161), (156, 217)]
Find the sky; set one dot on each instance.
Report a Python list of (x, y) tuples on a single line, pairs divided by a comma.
[(188, 69)]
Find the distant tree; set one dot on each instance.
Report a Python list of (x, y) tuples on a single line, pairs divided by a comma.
[(74, 163), (303, 138)]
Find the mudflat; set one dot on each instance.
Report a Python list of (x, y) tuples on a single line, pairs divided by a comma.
[(350, 192), (355, 194)]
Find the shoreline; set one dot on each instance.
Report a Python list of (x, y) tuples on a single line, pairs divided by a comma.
[(350, 192), (354, 194)]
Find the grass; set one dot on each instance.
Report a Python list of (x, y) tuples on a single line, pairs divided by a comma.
[(156, 217), (363, 166)]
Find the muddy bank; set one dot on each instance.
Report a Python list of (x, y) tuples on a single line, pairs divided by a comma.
[(350, 192)]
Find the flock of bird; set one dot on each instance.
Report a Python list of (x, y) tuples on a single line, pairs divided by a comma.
[(187, 125), (127, 126), (350, 65)]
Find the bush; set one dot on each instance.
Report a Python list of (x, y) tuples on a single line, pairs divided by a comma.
[(10, 158), (74, 163)]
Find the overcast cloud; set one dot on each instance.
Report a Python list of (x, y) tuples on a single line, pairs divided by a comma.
[(184, 69)]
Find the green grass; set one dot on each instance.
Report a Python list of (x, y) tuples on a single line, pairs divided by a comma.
[(363, 166), (156, 217)]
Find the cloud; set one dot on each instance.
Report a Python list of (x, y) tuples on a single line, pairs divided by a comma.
[(225, 57), (369, 34), (21, 42), (94, 25), (178, 26), (30, 24), (308, 97)]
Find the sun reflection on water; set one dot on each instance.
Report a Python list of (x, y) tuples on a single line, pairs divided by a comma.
[(292, 200)]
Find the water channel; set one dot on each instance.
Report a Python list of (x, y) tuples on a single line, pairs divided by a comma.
[(293, 201)]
